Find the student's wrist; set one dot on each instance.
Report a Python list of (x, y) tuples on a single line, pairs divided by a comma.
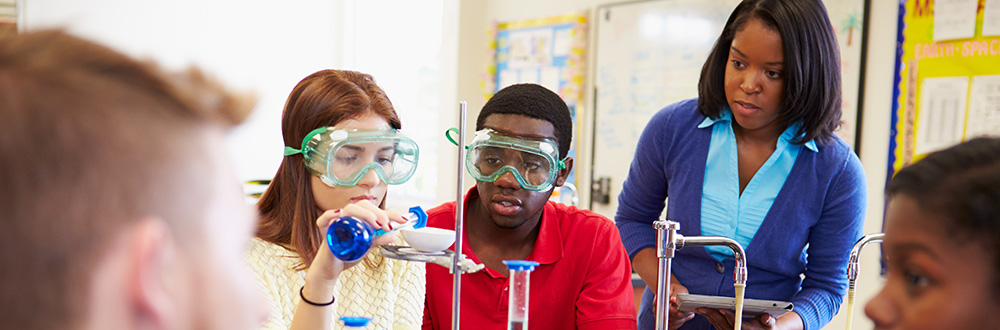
[(322, 275), (312, 302), (318, 290), (324, 267)]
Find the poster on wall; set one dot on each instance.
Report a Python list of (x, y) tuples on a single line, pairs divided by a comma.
[(848, 20), (947, 82), (548, 51)]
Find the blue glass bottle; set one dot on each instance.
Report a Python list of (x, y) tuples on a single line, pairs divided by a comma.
[(350, 238)]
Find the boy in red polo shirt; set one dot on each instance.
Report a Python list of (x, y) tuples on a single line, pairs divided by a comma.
[(517, 156)]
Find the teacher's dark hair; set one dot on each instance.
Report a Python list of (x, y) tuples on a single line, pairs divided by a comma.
[(812, 65), (960, 184)]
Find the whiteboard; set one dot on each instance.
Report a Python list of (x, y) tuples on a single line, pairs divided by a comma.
[(647, 55)]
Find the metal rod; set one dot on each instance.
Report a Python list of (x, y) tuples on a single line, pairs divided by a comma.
[(852, 264), (459, 217), (666, 235), (663, 285), (668, 241), (740, 271)]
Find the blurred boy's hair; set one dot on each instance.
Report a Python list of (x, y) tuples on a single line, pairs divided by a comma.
[(93, 141)]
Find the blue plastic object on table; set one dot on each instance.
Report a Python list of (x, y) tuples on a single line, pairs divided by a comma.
[(355, 321)]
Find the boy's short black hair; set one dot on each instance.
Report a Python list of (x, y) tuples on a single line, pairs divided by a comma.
[(534, 101), (812, 65), (962, 185)]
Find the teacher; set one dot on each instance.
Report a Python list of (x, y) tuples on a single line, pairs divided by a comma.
[(753, 158)]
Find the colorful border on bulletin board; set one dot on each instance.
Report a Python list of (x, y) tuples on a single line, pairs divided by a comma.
[(946, 91)]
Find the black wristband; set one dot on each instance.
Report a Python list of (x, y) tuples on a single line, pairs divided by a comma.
[(312, 303)]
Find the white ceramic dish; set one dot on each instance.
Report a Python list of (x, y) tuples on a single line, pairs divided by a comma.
[(429, 239)]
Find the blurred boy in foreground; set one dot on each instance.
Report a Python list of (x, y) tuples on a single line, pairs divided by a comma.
[(118, 208)]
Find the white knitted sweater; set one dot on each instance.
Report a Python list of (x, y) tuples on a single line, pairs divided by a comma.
[(391, 294)]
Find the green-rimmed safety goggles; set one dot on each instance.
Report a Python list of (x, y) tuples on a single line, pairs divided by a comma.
[(534, 163), (342, 157)]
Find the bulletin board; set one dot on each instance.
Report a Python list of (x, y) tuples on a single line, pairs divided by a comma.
[(947, 86), (649, 54), (548, 51)]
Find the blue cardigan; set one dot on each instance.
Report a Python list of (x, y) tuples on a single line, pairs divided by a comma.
[(810, 229)]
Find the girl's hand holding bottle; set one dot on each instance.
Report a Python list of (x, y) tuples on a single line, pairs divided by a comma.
[(326, 267)]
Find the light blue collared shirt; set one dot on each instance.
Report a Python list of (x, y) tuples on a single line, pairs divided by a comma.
[(724, 212)]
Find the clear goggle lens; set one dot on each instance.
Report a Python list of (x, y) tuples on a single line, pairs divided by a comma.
[(343, 157), (534, 163)]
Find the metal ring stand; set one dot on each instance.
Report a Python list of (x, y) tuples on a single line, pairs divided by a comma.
[(445, 258), (456, 262)]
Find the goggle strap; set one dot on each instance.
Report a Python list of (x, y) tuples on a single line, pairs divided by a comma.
[(291, 151), (447, 134)]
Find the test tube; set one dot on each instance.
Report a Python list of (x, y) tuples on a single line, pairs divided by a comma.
[(520, 278)]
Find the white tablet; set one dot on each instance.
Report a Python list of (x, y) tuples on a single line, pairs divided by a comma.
[(751, 307)]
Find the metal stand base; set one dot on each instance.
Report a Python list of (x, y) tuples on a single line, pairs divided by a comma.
[(444, 258)]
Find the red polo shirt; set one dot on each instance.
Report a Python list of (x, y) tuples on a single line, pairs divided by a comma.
[(583, 280)]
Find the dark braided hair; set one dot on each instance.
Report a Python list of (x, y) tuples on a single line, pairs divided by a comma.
[(534, 101), (961, 184)]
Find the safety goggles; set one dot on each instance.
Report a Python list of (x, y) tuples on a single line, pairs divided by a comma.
[(534, 163), (341, 157)]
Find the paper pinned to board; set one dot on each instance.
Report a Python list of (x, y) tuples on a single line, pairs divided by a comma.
[(941, 115), (991, 18), (507, 78), (549, 77), (563, 43), (984, 107), (529, 76), (955, 19)]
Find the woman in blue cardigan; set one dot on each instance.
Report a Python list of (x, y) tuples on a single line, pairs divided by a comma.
[(753, 158)]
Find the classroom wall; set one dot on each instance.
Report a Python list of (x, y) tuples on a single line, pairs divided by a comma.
[(874, 154), (249, 45), (875, 118), (267, 47), (473, 41), (253, 46), (477, 18)]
